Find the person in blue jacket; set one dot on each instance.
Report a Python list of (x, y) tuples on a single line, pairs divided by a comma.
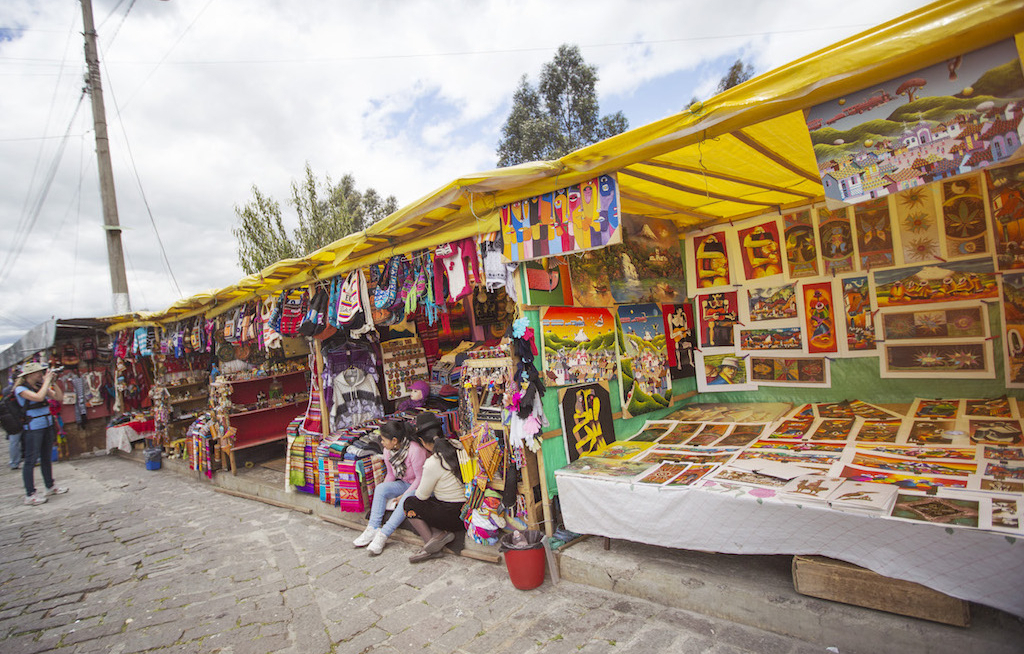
[(34, 388)]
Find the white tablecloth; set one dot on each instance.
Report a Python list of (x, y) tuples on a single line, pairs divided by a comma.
[(122, 437), (971, 564)]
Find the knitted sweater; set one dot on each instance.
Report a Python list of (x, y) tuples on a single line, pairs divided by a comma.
[(439, 482)]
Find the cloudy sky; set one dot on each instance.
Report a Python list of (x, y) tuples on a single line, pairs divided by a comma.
[(206, 98)]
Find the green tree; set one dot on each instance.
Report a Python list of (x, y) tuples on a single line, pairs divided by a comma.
[(326, 212), (738, 73), (559, 116)]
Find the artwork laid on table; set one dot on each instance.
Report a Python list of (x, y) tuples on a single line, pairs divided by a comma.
[(937, 510), (1005, 514), (647, 266), (679, 433), (680, 339), (874, 234), (833, 429), (1006, 199), (1013, 326), (742, 435), (732, 475), (790, 371), (836, 240), (917, 224), (924, 408), (1002, 486), (995, 407), (708, 435), (648, 434), (853, 409), (759, 250), (878, 431), (579, 345), (731, 411), (694, 472), (858, 320), (998, 453), (1004, 470), (548, 285), (579, 217), (772, 338), (933, 432), (801, 244), (914, 466), (966, 360), (615, 469), (586, 413), (995, 432), (935, 324), (645, 383), (688, 455), (622, 449), (663, 473), (920, 127), (722, 373), (955, 281), (834, 449), (773, 303), (963, 217), (922, 451), (910, 482), (793, 428), (710, 260), (718, 315), (820, 317)]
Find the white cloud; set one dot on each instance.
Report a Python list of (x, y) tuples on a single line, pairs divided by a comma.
[(216, 96)]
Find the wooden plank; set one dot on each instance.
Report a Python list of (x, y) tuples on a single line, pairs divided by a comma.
[(818, 576)]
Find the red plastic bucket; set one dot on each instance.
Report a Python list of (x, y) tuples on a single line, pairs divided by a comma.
[(525, 567)]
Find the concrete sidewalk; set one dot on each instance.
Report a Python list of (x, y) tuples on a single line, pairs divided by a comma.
[(756, 591)]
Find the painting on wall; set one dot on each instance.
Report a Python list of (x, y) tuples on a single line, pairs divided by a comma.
[(580, 217), (579, 345), (1006, 199), (968, 360), (547, 285), (717, 317), (954, 281), (645, 384), (777, 338), (790, 371), (954, 117), (963, 217), (711, 260), (874, 234), (932, 324), (918, 224), (858, 322), (820, 317), (759, 250), (1013, 324), (801, 244), (647, 266), (680, 338), (836, 240), (722, 372), (586, 419), (774, 303)]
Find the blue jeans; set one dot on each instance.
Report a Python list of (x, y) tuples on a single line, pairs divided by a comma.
[(381, 496), (37, 444), (14, 448)]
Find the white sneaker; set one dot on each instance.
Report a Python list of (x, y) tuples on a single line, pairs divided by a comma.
[(364, 538), (55, 490), (35, 499), (377, 545)]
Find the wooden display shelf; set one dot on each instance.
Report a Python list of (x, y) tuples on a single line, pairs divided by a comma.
[(199, 382), (260, 441), (237, 382), (183, 400), (176, 420), (265, 409)]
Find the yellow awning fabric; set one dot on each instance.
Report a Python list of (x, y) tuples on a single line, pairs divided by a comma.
[(743, 153)]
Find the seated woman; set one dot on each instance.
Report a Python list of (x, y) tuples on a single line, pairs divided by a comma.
[(403, 459), (434, 511)]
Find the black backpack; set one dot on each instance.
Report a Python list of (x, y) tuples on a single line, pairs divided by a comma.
[(12, 414)]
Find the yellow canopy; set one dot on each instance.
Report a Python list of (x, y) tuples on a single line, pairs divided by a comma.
[(743, 153)]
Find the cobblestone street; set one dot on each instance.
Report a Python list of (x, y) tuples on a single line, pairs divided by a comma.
[(132, 560)]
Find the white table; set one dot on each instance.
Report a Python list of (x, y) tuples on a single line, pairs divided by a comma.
[(971, 564), (122, 437)]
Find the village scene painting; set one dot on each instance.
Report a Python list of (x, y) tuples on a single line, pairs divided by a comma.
[(955, 117), (579, 345), (644, 381), (944, 282), (776, 303)]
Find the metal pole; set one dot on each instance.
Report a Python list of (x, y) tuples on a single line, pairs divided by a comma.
[(115, 253)]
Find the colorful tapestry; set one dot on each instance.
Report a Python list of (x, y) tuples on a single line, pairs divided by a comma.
[(580, 217)]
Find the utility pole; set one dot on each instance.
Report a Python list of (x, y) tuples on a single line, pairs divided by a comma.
[(115, 253)]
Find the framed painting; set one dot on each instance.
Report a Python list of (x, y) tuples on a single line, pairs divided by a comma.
[(680, 339), (836, 241), (644, 380), (935, 324), (710, 260), (858, 321), (811, 372), (717, 373), (760, 252), (1013, 325), (586, 413), (801, 244), (718, 315), (772, 303), (874, 234), (963, 360), (917, 225), (820, 317), (1006, 200), (954, 281), (963, 217), (579, 345)]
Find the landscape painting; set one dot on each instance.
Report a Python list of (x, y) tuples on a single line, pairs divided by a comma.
[(579, 345), (775, 303), (955, 281), (955, 117), (645, 384)]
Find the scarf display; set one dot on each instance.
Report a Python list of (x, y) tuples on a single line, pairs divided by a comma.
[(397, 458)]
